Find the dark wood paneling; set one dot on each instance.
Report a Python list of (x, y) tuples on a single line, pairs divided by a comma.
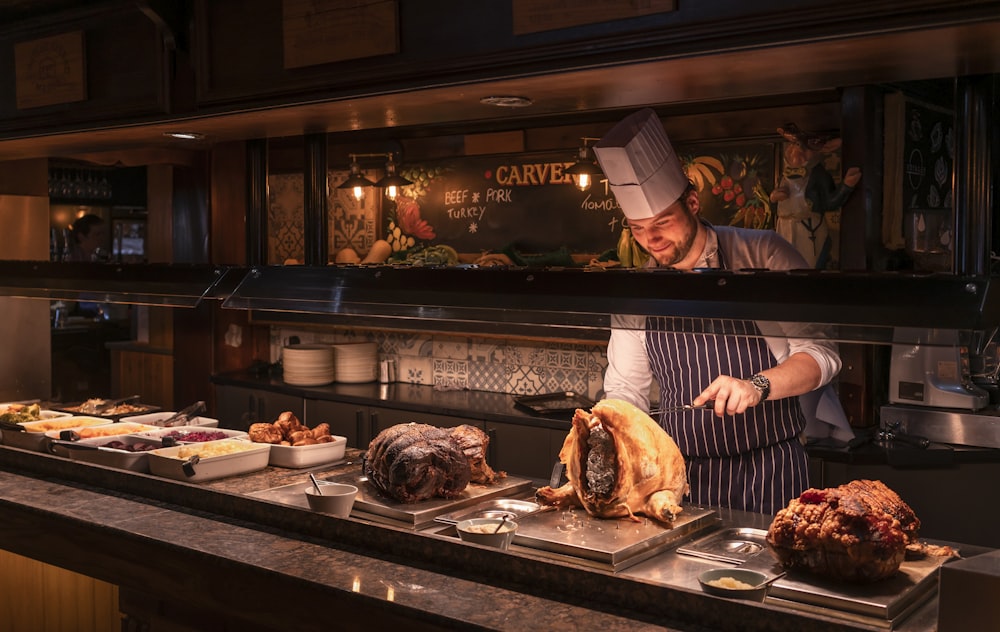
[(126, 65), (228, 204)]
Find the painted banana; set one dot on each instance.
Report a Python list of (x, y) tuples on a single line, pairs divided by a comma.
[(625, 248)]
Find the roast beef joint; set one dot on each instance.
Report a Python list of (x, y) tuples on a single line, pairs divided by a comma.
[(619, 463), (413, 462)]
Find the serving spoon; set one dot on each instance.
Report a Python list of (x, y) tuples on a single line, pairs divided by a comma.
[(319, 490), (503, 521)]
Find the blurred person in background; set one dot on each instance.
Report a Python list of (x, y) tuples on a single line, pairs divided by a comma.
[(88, 235)]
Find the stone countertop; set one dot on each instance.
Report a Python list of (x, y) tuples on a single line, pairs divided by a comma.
[(187, 542)]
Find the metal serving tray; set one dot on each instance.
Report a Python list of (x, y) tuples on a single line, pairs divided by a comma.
[(615, 543), (509, 508), (372, 505), (736, 545), (883, 604), (554, 403)]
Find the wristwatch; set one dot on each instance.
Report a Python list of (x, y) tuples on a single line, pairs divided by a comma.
[(762, 384)]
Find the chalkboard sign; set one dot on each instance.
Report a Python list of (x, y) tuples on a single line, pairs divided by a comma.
[(489, 203)]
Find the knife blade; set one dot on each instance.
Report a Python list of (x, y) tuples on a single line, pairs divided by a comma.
[(709, 405)]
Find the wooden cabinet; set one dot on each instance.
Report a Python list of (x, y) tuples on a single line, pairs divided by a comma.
[(106, 62), (238, 407)]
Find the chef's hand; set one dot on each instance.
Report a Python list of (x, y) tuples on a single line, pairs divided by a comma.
[(732, 395)]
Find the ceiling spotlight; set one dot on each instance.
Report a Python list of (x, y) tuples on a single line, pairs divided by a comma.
[(185, 135), (585, 168), (507, 101)]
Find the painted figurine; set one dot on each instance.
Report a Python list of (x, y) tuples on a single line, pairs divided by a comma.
[(807, 192)]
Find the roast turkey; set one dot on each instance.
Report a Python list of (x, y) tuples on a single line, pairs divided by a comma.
[(857, 532), (413, 462), (620, 463)]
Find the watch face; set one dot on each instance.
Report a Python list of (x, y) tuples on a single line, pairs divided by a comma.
[(762, 384)]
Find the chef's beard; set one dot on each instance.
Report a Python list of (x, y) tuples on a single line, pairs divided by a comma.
[(682, 247)]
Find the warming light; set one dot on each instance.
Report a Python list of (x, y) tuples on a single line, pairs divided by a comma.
[(356, 181), (392, 181), (585, 168)]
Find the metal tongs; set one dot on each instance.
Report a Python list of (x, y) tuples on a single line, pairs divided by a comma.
[(183, 416)]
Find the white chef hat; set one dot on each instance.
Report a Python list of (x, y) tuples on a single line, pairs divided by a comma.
[(641, 166)]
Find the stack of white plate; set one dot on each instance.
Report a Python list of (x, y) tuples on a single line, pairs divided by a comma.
[(308, 365), (356, 363)]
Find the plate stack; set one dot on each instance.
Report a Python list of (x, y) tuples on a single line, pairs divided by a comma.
[(356, 363), (308, 365)]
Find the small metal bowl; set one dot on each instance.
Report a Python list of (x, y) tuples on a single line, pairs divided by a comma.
[(758, 583)]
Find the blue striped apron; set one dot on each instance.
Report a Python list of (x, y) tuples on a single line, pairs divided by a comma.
[(754, 461)]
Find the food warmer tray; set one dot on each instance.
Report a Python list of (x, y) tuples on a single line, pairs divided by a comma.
[(736, 545), (611, 544), (882, 604), (372, 505), (510, 508)]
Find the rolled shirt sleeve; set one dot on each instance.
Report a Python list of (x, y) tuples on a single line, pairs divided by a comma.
[(628, 375)]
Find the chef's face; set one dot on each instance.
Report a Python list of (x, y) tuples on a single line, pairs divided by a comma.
[(670, 236)]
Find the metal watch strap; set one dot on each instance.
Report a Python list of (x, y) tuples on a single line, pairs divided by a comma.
[(762, 384)]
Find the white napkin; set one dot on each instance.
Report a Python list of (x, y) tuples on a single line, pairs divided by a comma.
[(825, 416)]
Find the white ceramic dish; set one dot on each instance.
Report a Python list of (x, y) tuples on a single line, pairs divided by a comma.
[(34, 435), (337, 498), (93, 431), (43, 413), (308, 455), (183, 434), (154, 419), (176, 463), (498, 533), (94, 451)]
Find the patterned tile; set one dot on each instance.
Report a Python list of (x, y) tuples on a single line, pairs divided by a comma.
[(477, 364), (487, 376), (415, 370), (451, 349), (451, 373)]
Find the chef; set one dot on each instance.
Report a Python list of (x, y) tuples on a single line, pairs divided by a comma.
[(747, 454)]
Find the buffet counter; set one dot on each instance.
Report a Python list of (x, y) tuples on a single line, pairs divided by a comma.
[(215, 549)]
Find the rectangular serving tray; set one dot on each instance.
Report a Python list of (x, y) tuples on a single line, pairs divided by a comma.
[(509, 508), (735, 544), (554, 403)]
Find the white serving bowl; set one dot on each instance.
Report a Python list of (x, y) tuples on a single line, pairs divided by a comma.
[(297, 456), (156, 419), (337, 499), (34, 437), (484, 531), (193, 434), (90, 432), (95, 450), (176, 463)]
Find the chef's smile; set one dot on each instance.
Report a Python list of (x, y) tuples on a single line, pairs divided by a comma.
[(668, 237)]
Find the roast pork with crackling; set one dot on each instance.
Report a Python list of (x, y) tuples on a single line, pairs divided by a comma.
[(857, 532)]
